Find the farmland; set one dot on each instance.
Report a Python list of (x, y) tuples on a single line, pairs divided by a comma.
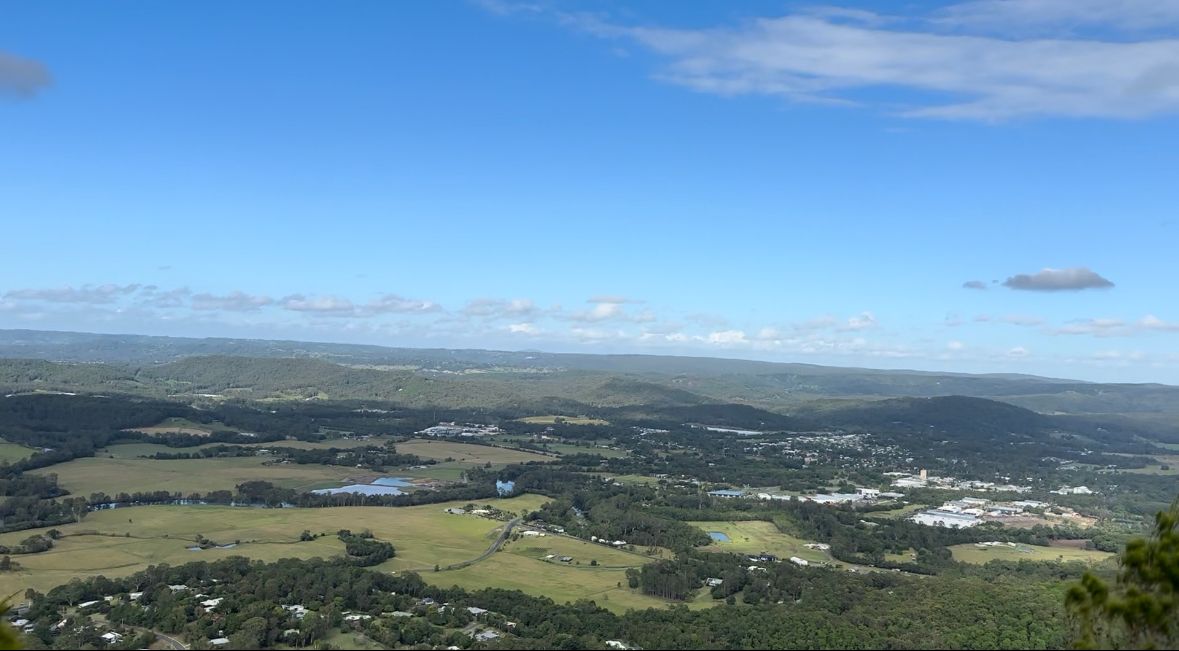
[(468, 453), (122, 541), (104, 474), (568, 420), (10, 452), (179, 426), (755, 536), (521, 565), (969, 553)]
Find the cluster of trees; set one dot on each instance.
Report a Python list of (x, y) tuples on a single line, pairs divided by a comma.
[(363, 550), (373, 457), (786, 607)]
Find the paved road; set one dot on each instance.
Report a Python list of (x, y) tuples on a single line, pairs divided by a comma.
[(172, 642)]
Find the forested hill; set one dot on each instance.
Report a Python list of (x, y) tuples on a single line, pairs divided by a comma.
[(371, 372)]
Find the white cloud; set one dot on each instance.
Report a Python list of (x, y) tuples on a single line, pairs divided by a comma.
[(861, 321), (1152, 322), (1018, 352), (955, 345), (524, 329), (832, 57), (727, 337), (318, 304)]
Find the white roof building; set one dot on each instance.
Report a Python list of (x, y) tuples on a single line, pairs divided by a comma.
[(948, 519)]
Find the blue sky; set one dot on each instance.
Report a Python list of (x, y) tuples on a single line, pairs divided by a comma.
[(771, 180)]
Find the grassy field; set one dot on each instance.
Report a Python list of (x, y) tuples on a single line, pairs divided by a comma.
[(1169, 460), (92, 474), (423, 536), (568, 420), (468, 453), (136, 450), (12, 452), (520, 565), (901, 512), (968, 553), (566, 448), (180, 426), (627, 479), (754, 536)]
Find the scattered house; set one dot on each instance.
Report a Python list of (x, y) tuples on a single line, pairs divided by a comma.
[(112, 637), (210, 604), (400, 613), (617, 644), (356, 617), (486, 636), (532, 534), (868, 493), (454, 510), (477, 611), (909, 482), (755, 568), (87, 604), (823, 547), (426, 601), (799, 561), (619, 543), (890, 495), (219, 641), (726, 494), (774, 496), (550, 557), (566, 559), (712, 582), (133, 596)]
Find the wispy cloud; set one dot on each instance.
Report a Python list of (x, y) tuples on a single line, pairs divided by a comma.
[(1060, 16), (21, 77), (861, 321), (108, 293), (974, 284), (1152, 322), (494, 308), (950, 61), (1057, 280), (611, 308), (233, 302), (330, 305)]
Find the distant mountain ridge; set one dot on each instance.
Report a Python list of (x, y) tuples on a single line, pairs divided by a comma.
[(477, 378)]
